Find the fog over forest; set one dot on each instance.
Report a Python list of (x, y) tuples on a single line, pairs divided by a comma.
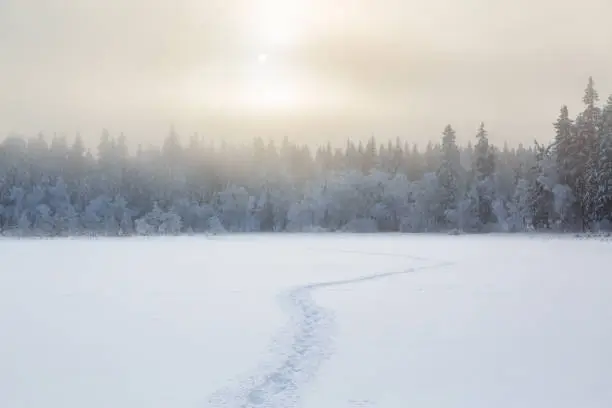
[(52, 187)]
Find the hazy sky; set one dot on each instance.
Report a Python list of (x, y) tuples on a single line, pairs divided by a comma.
[(311, 69)]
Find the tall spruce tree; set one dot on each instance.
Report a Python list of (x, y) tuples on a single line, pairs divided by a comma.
[(484, 169), (448, 174), (603, 200), (587, 151), (564, 138)]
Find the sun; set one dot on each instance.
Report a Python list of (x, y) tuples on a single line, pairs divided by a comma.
[(264, 79), (262, 58)]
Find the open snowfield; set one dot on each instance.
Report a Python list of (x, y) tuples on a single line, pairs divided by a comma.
[(328, 321)]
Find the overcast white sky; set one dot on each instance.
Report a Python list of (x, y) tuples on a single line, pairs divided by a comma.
[(311, 69)]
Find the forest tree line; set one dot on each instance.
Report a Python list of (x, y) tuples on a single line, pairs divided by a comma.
[(57, 188)]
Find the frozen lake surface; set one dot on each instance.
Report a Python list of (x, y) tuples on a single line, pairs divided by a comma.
[(313, 321)]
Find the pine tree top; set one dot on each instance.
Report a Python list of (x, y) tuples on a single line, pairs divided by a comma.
[(591, 97)]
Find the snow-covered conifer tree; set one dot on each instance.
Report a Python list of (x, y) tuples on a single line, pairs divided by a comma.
[(448, 176)]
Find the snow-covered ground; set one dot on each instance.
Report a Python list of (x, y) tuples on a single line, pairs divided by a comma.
[(306, 320)]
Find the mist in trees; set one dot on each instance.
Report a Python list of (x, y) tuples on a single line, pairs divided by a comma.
[(56, 187)]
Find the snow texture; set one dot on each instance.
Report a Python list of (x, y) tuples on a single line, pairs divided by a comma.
[(308, 348), (321, 320)]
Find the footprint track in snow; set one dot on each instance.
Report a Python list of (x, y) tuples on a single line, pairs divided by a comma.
[(277, 384)]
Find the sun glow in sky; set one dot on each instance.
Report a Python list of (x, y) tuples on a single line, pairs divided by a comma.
[(316, 70), (273, 85), (264, 77), (269, 87)]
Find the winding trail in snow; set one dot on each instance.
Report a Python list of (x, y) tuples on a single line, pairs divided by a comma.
[(297, 357)]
